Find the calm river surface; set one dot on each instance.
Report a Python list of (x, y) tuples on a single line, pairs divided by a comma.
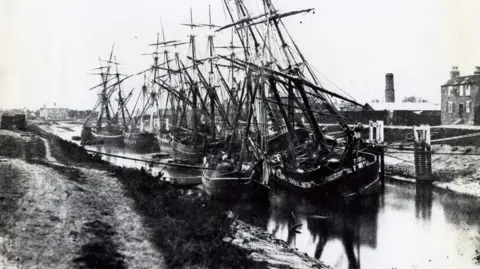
[(407, 226)]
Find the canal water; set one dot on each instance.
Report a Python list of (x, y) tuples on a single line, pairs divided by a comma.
[(407, 226)]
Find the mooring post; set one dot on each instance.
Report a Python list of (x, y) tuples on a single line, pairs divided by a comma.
[(382, 166), (373, 130), (381, 148), (422, 153), (377, 128)]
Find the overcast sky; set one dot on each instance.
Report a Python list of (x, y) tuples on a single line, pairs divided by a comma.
[(47, 47)]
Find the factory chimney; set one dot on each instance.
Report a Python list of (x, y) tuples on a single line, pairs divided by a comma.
[(389, 89), (454, 73)]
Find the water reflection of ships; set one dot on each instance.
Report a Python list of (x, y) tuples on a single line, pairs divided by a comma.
[(353, 222)]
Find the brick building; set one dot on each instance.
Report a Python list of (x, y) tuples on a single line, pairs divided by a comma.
[(461, 98)]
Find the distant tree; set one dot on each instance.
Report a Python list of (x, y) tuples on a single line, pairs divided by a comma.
[(409, 99), (414, 99)]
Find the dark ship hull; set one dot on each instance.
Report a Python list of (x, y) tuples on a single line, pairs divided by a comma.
[(141, 141), (318, 183), (108, 136), (192, 154), (225, 182)]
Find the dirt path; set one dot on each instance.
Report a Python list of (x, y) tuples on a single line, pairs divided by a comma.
[(128, 234), (56, 216), (48, 152), (37, 234)]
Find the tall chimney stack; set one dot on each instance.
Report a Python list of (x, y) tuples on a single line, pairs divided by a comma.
[(477, 70), (389, 88), (454, 73)]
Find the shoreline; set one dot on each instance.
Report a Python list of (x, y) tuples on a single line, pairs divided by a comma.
[(440, 186), (454, 168)]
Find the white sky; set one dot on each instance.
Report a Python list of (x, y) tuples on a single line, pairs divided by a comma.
[(47, 47)]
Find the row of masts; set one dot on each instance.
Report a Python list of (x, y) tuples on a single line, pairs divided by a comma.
[(270, 67)]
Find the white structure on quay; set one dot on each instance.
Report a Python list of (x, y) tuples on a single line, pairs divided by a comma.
[(54, 113)]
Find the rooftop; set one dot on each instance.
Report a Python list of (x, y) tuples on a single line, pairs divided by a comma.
[(405, 106), (471, 79)]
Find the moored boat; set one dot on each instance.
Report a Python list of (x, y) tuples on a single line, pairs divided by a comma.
[(330, 180), (105, 136), (142, 141), (107, 129), (223, 180), (191, 153)]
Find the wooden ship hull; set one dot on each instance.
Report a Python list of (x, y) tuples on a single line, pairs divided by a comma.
[(192, 154), (91, 136), (224, 182), (342, 182), (113, 138), (183, 150), (143, 141)]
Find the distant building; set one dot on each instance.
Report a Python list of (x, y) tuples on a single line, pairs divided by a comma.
[(406, 106), (460, 98), (54, 113), (391, 112)]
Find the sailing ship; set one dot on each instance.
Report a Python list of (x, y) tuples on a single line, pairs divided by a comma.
[(107, 128), (167, 116), (198, 135), (242, 168), (138, 138)]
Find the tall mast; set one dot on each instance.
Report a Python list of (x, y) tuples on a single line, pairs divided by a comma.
[(153, 94), (143, 93), (211, 76), (104, 93), (193, 84), (169, 74), (101, 97), (120, 97)]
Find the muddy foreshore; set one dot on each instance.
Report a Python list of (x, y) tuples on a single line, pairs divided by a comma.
[(454, 168), (187, 230)]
